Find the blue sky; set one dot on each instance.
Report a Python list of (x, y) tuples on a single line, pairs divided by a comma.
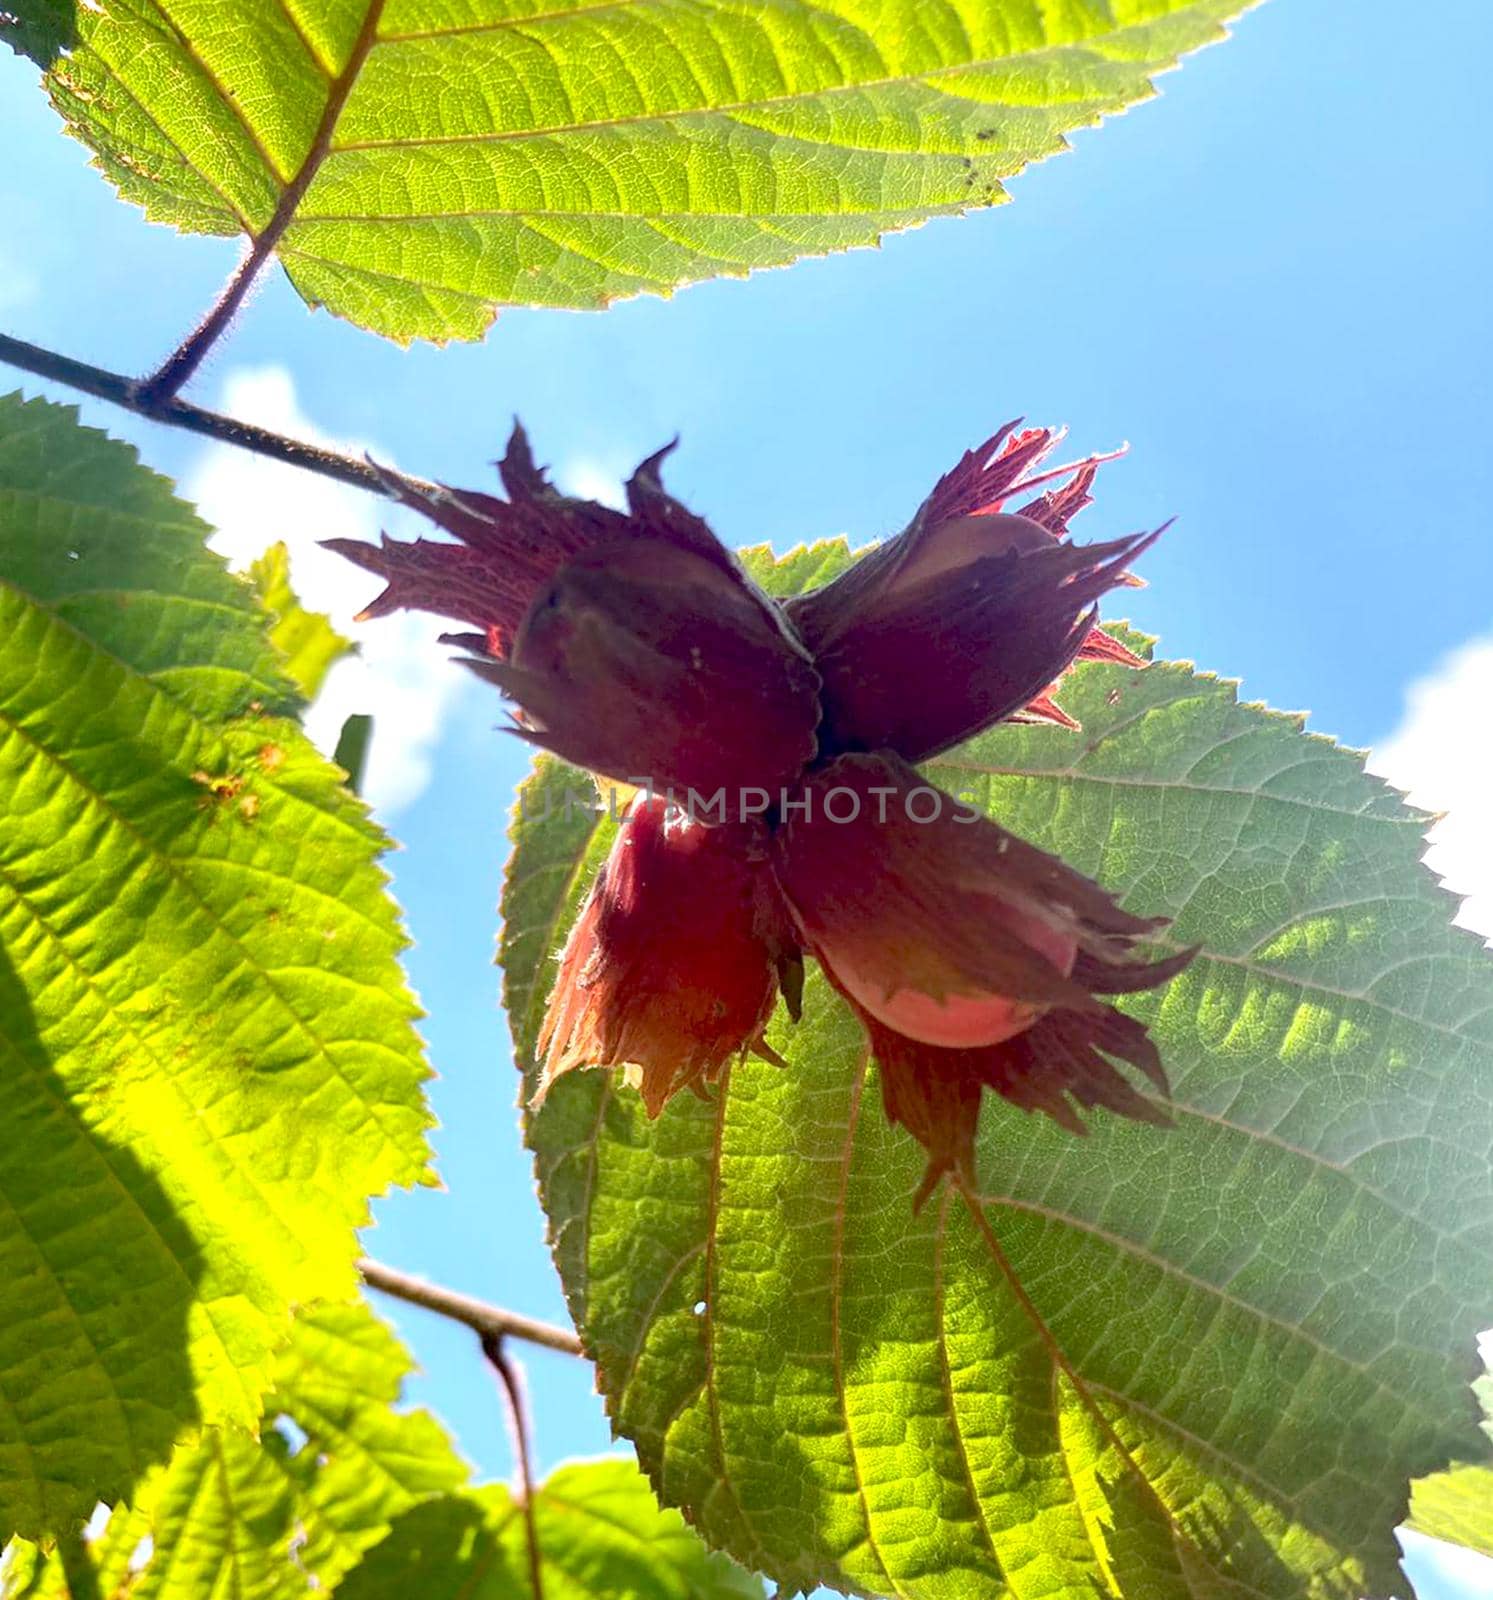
[(1271, 282)]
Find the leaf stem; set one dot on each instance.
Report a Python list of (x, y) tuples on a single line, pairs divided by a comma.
[(77, 1566), (121, 391), (179, 366), (513, 1396), (489, 1321), (183, 361)]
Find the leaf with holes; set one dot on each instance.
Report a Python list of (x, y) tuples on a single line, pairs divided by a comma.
[(77, 1567), (279, 1516), (601, 1532), (362, 1463), (1202, 1361), (417, 163), (206, 1042)]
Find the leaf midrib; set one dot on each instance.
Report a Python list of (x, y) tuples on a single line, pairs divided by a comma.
[(1086, 1387), (836, 1297), (946, 1378), (709, 1317), (1062, 1363)]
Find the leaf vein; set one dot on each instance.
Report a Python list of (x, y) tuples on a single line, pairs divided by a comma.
[(505, 24), (836, 1292), (928, 79)]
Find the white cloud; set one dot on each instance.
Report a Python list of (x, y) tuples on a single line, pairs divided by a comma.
[(1441, 756), (593, 480), (401, 675)]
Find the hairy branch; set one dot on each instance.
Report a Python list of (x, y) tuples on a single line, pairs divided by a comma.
[(491, 1322), (183, 361), (126, 392), (513, 1395)]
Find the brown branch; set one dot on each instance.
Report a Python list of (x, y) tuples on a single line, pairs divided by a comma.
[(121, 391), (493, 1325), (179, 366), (513, 1395), (491, 1322)]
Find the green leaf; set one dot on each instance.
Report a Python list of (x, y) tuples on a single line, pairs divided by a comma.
[(223, 1519), (206, 1042), (308, 643), (77, 1568), (601, 1532), (1149, 1363), (362, 1463), (418, 163), (1455, 1505), (264, 1518), (1458, 1504), (261, 1519), (232, 1516)]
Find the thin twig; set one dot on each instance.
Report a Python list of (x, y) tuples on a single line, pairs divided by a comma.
[(121, 391), (513, 1395), (187, 357), (488, 1320)]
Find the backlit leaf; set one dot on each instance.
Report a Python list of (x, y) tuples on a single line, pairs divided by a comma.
[(277, 1517), (418, 163), (206, 1042), (1203, 1361), (602, 1535)]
